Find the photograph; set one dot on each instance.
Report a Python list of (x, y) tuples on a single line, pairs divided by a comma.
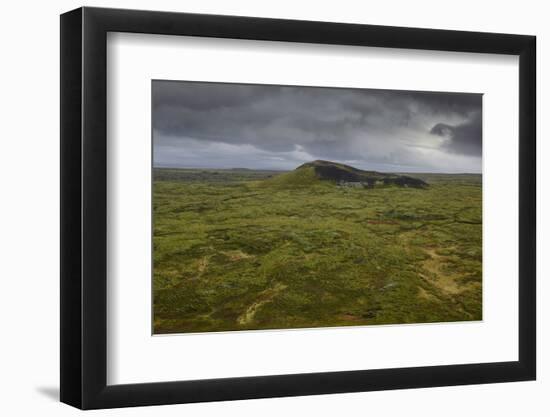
[(285, 207), (251, 206)]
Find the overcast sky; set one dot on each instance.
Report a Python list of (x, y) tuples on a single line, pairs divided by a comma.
[(221, 125)]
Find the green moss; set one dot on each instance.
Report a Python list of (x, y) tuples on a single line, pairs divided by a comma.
[(337, 256)]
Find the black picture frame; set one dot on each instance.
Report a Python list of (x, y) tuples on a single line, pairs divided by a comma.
[(84, 207)]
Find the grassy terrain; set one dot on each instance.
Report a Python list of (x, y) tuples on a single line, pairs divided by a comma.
[(242, 249)]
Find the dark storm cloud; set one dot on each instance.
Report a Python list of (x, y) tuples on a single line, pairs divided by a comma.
[(230, 125), (445, 103), (464, 138)]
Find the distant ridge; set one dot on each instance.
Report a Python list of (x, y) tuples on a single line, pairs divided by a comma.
[(344, 175)]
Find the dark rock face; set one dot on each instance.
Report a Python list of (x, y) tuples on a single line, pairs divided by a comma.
[(346, 175), (405, 181), (334, 173)]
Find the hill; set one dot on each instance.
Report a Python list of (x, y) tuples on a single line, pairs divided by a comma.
[(316, 172)]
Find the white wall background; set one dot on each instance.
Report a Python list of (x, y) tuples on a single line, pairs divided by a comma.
[(29, 237)]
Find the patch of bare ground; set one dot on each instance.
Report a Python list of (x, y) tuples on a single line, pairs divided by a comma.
[(422, 293), (264, 297), (233, 255), (202, 265), (350, 317), (237, 255), (436, 275)]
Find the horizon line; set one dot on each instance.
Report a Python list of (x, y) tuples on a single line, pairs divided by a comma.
[(288, 170)]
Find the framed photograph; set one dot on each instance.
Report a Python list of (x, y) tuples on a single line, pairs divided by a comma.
[(258, 208)]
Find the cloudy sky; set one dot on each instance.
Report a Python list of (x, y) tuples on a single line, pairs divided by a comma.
[(221, 125)]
